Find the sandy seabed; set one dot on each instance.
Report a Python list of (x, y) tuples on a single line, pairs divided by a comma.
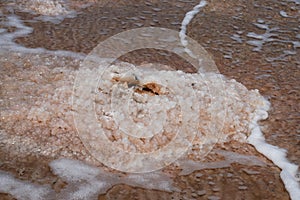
[(37, 118)]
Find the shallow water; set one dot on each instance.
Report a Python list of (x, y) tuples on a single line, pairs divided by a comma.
[(254, 42)]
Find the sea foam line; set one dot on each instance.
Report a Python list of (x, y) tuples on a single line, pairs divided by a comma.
[(7, 42), (277, 155), (186, 20)]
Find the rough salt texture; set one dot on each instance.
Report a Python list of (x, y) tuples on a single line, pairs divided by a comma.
[(145, 94), (45, 7), (275, 78), (34, 98), (37, 115), (36, 112)]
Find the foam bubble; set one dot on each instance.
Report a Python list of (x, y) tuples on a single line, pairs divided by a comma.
[(237, 38), (261, 39), (283, 13)]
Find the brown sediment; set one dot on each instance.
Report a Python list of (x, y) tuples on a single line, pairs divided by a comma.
[(150, 88), (277, 80)]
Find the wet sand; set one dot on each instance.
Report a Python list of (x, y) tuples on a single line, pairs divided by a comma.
[(223, 29)]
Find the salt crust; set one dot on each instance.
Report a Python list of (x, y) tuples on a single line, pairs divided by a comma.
[(45, 7), (241, 102), (38, 105), (284, 174), (221, 116), (37, 116)]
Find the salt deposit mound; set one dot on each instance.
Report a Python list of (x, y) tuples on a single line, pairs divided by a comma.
[(141, 119), (136, 110)]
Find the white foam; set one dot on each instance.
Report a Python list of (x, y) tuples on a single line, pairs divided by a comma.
[(73, 171), (186, 20), (7, 40), (23, 190), (274, 153), (87, 182), (296, 44), (237, 38), (261, 39), (189, 166), (83, 182), (81, 178), (283, 13)]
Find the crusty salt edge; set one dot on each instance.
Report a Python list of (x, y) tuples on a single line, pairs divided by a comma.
[(275, 154), (54, 11)]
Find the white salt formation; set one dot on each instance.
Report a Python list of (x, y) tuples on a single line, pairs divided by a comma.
[(36, 112), (45, 7), (36, 117), (146, 118)]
